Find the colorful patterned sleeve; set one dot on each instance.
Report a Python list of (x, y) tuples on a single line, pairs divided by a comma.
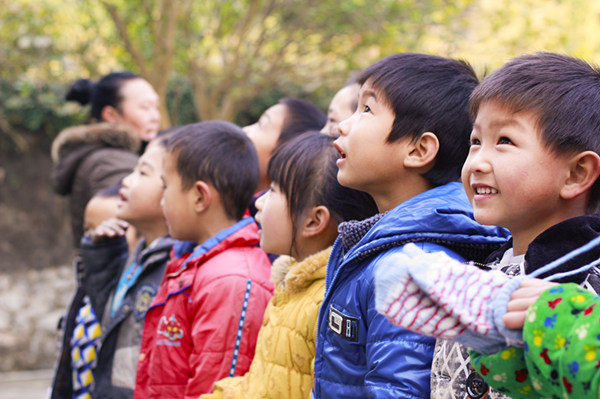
[(561, 357)]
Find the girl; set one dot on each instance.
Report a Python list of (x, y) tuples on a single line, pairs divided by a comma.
[(299, 216)]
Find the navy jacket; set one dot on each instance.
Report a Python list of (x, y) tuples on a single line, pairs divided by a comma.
[(359, 353)]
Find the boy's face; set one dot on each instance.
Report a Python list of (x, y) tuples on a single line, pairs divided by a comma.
[(177, 203), (510, 177), (367, 161), (141, 191)]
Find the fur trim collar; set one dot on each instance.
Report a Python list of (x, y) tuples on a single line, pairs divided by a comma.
[(110, 135), (296, 276)]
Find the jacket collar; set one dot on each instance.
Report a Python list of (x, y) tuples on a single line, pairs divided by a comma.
[(243, 233), (441, 215), (294, 276)]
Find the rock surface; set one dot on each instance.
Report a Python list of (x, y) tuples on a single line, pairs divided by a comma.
[(31, 304)]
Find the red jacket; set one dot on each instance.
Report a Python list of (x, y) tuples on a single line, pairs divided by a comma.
[(204, 320)]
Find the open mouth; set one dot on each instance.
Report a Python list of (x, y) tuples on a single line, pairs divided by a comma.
[(485, 190), (339, 150)]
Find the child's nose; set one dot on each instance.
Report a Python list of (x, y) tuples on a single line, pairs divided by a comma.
[(479, 162), (125, 181), (344, 126), (259, 202)]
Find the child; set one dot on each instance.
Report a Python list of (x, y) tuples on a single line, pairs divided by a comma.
[(553, 351), (342, 106), (299, 216), (533, 168), (106, 319), (405, 146), (283, 121), (202, 324), (103, 206)]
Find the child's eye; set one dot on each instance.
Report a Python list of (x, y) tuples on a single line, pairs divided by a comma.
[(505, 140), (367, 108), (475, 141)]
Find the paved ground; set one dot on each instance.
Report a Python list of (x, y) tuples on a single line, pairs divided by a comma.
[(25, 384)]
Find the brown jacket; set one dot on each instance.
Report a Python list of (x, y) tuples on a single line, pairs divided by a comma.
[(90, 158)]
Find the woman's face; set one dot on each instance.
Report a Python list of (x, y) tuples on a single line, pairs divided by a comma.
[(139, 108), (264, 134)]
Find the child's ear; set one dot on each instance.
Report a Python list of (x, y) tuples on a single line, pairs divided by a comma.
[(202, 196), (110, 114), (422, 152), (584, 169), (315, 221)]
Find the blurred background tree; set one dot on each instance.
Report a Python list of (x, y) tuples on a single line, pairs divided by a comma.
[(215, 59)]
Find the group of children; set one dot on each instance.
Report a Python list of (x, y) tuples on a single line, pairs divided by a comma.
[(389, 267)]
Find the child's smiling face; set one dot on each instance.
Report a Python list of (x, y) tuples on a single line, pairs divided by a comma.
[(511, 178)]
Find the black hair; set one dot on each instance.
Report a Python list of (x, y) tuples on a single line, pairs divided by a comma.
[(305, 170), (428, 93), (301, 116), (563, 92), (106, 92), (218, 153)]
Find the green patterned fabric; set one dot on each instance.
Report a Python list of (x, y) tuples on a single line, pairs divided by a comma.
[(561, 356)]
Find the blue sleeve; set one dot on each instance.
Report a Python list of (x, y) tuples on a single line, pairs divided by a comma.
[(398, 361)]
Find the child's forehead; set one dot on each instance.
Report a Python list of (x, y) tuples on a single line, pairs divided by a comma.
[(370, 89), (495, 115)]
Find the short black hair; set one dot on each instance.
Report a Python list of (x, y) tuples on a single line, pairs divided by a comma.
[(305, 170), (218, 153), (300, 117), (563, 92), (428, 94), (105, 92)]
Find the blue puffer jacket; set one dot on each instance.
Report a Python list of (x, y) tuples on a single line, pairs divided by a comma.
[(359, 353)]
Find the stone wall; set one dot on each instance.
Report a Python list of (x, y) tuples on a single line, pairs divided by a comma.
[(31, 304)]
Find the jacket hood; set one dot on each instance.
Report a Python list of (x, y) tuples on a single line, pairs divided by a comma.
[(75, 144), (441, 215), (98, 134), (296, 276)]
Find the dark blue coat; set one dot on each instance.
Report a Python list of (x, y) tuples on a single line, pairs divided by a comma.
[(359, 353)]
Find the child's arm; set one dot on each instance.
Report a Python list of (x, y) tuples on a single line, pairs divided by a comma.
[(102, 262), (436, 295), (562, 345)]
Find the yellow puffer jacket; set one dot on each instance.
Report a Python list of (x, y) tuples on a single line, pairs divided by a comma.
[(285, 349)]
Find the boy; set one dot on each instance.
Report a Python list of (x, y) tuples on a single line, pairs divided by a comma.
[(203, 323), (405, 146), (342, 106), (533, 168), (106, 319)]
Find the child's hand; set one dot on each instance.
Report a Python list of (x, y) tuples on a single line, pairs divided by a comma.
[(110, 228), (521, 299)]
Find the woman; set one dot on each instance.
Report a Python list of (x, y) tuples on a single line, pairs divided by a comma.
[(124, 114)]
